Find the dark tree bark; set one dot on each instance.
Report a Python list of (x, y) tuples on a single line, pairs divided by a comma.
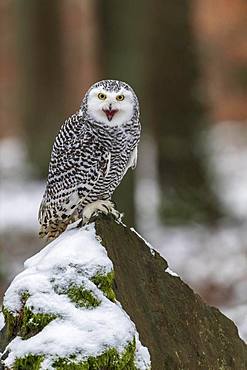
[(57, 53), (121, 33), (176, 113), (40, 56)]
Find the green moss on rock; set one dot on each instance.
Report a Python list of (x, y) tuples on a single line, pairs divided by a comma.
[(25, 323), (30, 362), (11, 322), (62, 364), (82, 297), (33, 323), (110, 360), (104, 283), (24, 297)]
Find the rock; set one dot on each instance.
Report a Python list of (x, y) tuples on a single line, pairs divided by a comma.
[(179, 329), (61, 311)]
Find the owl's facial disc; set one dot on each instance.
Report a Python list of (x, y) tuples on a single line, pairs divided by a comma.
[(111, 108)]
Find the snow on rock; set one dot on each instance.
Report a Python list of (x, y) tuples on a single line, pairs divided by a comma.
[(75, 327), (1, 321), (153, 251), (141, 237), (142, 357), (171, 272)]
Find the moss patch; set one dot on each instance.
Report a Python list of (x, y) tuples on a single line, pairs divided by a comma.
[(104, 283), (82, 297), (10, 329), (110, 360), (33, 323), (25, 323), (29, 362), (11, 322)]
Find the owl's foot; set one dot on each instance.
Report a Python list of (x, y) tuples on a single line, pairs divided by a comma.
[(100, 206)]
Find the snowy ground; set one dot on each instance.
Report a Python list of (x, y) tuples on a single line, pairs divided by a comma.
[(19, 197), (19, 206)]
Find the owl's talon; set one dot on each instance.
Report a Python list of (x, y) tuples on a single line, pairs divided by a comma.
[(117, 215), (107, 208), (95, 208)]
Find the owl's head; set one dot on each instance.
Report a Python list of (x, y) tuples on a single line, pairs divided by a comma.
[(111, 103)]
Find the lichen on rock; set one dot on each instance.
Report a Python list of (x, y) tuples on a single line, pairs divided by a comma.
[(61, 311)]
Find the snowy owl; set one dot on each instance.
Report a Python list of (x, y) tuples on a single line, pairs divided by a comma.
[(91, 153)]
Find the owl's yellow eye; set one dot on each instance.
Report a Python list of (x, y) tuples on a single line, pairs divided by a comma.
[(102, 96), (120, 97)]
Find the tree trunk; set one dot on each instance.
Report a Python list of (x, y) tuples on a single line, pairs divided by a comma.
[(57, 54), (121, 32), (176, 113)]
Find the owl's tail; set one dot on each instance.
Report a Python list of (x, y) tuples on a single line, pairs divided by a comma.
[(51, 226), (54, 222), (52, 230)]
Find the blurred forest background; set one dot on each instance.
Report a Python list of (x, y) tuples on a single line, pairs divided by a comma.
[(187, 61)]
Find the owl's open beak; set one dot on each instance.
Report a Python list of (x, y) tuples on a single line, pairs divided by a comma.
[(110, 113)]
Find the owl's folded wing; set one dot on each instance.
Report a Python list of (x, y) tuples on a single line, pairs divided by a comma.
[(73, 173)]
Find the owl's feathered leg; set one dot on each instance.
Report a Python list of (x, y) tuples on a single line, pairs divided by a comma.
[(99, 206)]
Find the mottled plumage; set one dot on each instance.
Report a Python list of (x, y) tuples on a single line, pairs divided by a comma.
[(91, 153)]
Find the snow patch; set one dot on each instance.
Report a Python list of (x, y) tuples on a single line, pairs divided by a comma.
[(67, 249), (142, 357), (227, 150), (2, 322), (15, 168), (171, 272), (23, 197)]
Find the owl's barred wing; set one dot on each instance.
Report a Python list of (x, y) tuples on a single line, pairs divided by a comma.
[(73, 173)]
